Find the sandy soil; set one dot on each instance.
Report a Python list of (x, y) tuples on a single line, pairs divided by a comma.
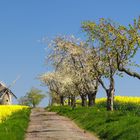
[(50, 126)]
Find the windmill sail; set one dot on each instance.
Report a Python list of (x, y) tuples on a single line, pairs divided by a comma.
[(18, 77), (2, 86), (12, 94)]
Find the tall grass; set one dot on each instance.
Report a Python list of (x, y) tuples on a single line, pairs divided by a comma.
[(13, 122)]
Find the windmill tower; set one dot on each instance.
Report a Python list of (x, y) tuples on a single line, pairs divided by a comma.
[(5, 95)]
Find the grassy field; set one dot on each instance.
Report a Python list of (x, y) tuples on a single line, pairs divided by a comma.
[(13, 122), (121, 124)]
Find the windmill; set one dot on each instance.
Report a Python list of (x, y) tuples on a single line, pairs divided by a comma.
[(6, 94)]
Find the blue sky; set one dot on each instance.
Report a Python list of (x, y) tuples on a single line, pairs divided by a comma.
[(24, 22)]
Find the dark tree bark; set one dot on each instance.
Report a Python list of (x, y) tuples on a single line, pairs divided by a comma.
[(84, 99), (69, 101), (73, 101), (61, 100), (91, 98)]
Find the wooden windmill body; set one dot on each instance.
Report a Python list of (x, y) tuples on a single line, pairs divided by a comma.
[(5, 95)]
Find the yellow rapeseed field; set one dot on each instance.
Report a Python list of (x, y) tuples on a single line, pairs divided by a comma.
[(122, 99), (7, 110), (122, 103)]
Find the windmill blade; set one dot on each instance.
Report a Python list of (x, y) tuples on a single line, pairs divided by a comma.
[(13, 95), (2, 86), (14, 82), (8, 90)]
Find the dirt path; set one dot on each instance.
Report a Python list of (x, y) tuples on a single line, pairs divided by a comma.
[(50, 126)]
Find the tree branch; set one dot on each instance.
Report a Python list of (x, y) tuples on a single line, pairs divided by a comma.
[(103, 85), (130, 73)]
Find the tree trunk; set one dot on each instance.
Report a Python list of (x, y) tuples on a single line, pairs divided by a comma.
[(110, 94), (73, 102), (110, 99), (33, 103), (91, 98), (61, 100), (84, 100), (69, 101)]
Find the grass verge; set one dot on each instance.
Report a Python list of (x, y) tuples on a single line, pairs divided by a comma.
[(14, 127), (116, 125)]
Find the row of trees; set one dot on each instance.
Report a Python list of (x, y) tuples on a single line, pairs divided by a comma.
[(81, 66)]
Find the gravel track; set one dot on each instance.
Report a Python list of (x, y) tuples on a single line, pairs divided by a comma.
[(45, 125)]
